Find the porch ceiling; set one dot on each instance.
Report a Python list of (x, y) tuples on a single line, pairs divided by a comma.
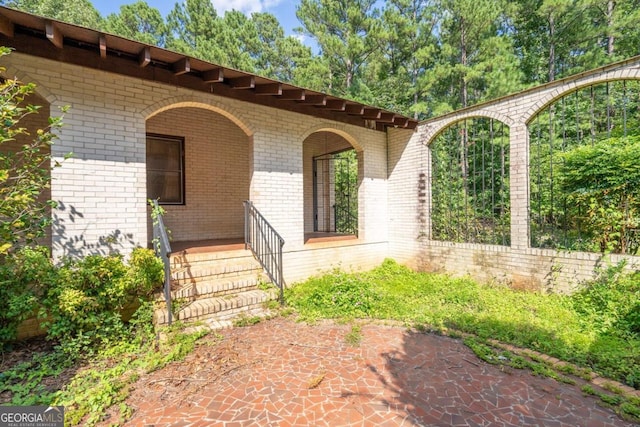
[(59, 41)]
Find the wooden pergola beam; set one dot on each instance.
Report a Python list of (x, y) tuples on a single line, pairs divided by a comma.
[(181, 66), (411, 124), (386, 117), (269, 89), (400, 122), (354, 109), (6, 26), (372, 113), (53, 34), (144, 57), (245, 82), (293, 95), (336, 104), (318, 100), (215, 75), (103, 46)]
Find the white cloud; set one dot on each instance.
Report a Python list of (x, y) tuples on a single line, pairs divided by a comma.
[(244, 6)]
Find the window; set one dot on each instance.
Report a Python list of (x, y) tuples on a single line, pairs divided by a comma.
[(165, 169)]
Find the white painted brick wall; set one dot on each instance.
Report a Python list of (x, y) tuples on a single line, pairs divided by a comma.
[(103, 187)]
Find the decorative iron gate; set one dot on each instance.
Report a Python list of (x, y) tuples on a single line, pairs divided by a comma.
[(335, 192)]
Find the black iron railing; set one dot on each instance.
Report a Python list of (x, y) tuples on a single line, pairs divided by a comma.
[(163, 250), (265, 243)]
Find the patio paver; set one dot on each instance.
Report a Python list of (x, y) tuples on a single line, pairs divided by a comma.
[(394, 377)]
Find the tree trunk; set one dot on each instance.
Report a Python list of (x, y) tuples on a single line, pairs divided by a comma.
[(610, 37), (552, 49)]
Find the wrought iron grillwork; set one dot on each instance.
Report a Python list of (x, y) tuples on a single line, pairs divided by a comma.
[(574, 207), (470, 183), (335, 187)]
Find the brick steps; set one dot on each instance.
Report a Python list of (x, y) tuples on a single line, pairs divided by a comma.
[(206, 287), (215, 288), (219, 308)]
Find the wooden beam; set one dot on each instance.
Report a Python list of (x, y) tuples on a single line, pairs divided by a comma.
[(144, 57), (400, 122), (53, 34), (213, 76), (354, 109), (269, 89), (126, 65), (336, 104), (103, 46), (293, 95), (372, 113), (318, 100), (245, 82), (381, 127), (386, 117), (412, 124), (181, 66), (6, 26)]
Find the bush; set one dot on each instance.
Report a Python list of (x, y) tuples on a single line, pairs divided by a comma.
[(24, 172), (610, 304), (23, 276), (86, 302), (82, 300)]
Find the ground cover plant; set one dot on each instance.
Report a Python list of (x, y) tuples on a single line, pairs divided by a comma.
[(596, 328), (92, 352)]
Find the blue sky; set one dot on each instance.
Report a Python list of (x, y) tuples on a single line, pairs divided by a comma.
[(284, 10)]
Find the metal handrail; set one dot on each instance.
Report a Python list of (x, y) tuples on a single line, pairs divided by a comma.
[(163, 251), (265, 243)]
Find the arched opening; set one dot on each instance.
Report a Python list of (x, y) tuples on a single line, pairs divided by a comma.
[(331, 182), (583, 176), (470, 201), (198, 165)]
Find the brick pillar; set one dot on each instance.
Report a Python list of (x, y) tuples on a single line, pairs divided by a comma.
[(519, 179)]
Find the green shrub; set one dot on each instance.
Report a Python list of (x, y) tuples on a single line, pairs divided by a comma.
[(82, 300), (610, 304), (23, 276), (86, 302)]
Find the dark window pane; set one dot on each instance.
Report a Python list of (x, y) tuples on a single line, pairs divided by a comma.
[(165, 169)]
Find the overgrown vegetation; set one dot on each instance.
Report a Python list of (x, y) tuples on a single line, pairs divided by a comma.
[(84, 303), (103, 380), (81, 300), (597, 328), (25, 162)]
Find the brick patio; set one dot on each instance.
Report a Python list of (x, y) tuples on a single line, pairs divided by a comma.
[(392, 378)]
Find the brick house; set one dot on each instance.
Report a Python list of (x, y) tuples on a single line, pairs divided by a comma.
[(149, 123)]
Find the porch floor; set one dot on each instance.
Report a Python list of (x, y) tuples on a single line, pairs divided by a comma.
[(223, 245)]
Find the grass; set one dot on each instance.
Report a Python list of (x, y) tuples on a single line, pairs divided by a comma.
[(597, 329)]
